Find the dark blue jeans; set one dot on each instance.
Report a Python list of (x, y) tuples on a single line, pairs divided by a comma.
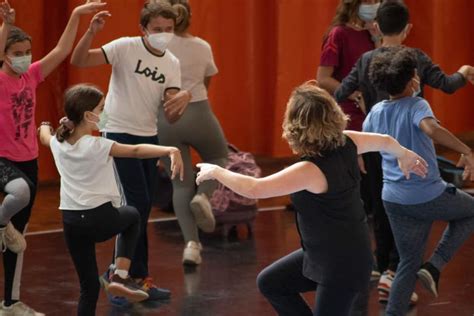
[(411, 225), (282, 283), (137, 177)]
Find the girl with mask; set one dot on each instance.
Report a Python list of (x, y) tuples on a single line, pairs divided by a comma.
[(19, 78), (335, 258), (90, 199), (347, 39), (191, 204), (144, 73)]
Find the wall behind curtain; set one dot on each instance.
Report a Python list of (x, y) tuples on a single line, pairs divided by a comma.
[(263, 48)]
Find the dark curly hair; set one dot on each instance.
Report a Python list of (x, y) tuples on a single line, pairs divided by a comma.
[(392, 69)]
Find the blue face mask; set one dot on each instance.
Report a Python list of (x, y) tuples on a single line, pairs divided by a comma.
[(20, 64), (368, 12)]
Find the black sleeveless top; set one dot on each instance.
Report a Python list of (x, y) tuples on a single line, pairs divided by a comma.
[(333, 225)]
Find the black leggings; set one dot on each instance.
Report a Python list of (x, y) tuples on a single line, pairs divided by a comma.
[(283, 281), (83, 229)]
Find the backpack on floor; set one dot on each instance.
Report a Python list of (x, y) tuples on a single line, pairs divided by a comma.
[(229, 207)]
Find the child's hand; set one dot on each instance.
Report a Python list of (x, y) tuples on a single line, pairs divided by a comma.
[(98, 21), (7, 13), (177, 166), (91, 6), (467, 72), (467, 162), (206, 173), (412, 162)]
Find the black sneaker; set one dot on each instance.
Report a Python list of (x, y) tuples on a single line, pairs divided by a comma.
[(429, 277), (126, 288)]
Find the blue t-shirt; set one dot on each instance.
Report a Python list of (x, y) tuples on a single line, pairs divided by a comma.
[(401, 119)]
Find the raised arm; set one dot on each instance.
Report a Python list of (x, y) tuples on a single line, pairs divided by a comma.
[(300, 176), (8, 17), (83, 55), (145, 151), (408, 161), (65, 44)]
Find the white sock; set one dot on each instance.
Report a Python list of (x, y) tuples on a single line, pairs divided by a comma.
[(121, 273)]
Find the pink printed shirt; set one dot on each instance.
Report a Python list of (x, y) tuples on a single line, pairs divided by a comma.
[(18, 140)]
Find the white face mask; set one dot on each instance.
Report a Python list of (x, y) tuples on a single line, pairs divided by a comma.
[(368, 12), (102, 120), (417, 91), (20, 64), (160, 41)]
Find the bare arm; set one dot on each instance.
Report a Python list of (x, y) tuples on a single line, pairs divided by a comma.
[(442, 136), (325, 79), (8, 16), (45, 134), (145, 151), (65, 44), (83, 56), (300, 176), (408, 161)]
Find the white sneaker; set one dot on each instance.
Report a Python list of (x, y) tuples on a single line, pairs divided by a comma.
[(202, 212), (385, 285), (192, 253), (18, 309), (14, 240)]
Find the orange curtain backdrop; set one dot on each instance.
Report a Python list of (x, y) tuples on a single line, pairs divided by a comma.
[(263, 48)]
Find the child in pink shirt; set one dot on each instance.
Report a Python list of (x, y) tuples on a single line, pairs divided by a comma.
[(19, 149)]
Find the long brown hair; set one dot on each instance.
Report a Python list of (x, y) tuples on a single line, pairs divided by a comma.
[(346, 12), (78, 99)]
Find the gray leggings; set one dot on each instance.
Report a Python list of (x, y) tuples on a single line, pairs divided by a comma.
[(197, 128)]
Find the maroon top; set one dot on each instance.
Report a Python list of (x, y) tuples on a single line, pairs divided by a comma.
[(341, 50)]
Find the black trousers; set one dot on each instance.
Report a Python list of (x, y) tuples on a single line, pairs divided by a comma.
[(282, 283), (83, 229), (386, 251)]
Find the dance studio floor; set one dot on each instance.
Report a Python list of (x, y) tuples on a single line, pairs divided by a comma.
[(225, 283)]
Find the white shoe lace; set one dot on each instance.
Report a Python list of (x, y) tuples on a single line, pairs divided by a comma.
[(3, 243)]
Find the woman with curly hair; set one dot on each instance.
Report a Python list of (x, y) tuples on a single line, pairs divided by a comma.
[(325, 191)]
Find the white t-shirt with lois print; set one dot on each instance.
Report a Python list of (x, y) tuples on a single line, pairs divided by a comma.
[(137, 85)]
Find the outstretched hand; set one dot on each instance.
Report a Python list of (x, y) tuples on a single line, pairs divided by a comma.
[(7, 13), (91, 6), (411, 162), (206, 172)]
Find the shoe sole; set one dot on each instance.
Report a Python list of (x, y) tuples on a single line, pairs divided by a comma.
[(131, 295), (204, 222), (427, 281)]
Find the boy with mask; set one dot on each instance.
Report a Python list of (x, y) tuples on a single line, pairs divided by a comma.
[(19, 79), (144, 73), (393, 22)]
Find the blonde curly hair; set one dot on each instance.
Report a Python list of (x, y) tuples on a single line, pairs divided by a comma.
[(313, 121)]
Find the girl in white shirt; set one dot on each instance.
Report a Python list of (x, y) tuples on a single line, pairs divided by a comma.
[(90, 201)]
